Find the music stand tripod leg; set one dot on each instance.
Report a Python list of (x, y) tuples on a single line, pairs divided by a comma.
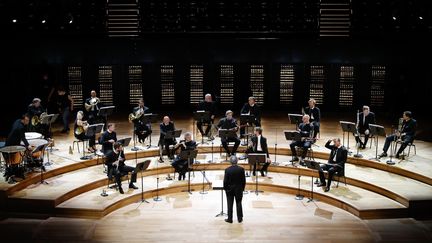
[(222, 211)]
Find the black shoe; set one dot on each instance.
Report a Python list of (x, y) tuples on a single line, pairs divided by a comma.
[(43, 168), (160, 160), (253, 173), (228, 221), (384, 154), (321, 185), (398, 156), (327, 189), (294, 159), (262, 173), (133, 186), (121, 190), (240, 220)]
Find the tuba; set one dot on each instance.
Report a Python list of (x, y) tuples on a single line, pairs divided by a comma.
[(93, 102)]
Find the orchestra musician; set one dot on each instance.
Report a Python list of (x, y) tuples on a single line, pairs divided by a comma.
[(92, 106), (306, 130), (406, 134), (250, 108), (229, 123), (108, 138), (141, 129), (258, 144), (181, 165), (115, 161), (166, 126), (36, 111), (314, 114), (336, 162), (363, 120), (64, 106), (207, 105), (80, 128)]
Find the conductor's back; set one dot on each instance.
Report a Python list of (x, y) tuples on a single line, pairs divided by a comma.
[(234, 185)]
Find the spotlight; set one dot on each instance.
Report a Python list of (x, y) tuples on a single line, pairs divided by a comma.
[(394, 18), (43, 21), (70, 21), (14, 20), (420, 17)]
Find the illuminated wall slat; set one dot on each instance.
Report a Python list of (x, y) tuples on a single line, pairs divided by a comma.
[(105, 85), (226, 84), (257, 82), (316, 85), (196, 77), (377, 86), (346, 86), (75, 85), (135, 84), (167, 84), (286, 84)]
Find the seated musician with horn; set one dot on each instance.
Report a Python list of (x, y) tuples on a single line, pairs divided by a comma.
[(92, 106), (406, 132), (207, 105), (258, 144), (16, 135), (314, 115), (115, 161), (250, 108), (108, 138), (306, 130), (229, 123), (336, 162), (180, 165), (37, 112), (363, 120), (80, 128), (166, 126), (141, 129)]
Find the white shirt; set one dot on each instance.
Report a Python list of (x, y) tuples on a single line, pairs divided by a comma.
[(334, 157), (259, 143)]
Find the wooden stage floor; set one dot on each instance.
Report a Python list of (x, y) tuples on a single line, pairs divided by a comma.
[(379, 202)]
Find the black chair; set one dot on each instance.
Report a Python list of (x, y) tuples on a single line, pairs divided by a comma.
[(399, 142), (341, 174), (111, 178)]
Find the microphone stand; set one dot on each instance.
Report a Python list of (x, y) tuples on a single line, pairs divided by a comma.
[(275, 162), (157, 198), (390, 161), (358, 141)]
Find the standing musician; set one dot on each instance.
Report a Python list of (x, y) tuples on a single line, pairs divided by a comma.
[(141, 129), (181, 165), (108, 138), (314, 114), (92, 106), (80, 128), (306, 130), (363, 120), (406, 134), (258, 144), (166, 126), (336, 162), (36, 112), (64, 105), (250, 108), (16, 135), (234, 183), (115, 161), (229, 123), (207, 105)]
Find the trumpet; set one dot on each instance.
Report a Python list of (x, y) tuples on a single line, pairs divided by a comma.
[(93, 102)]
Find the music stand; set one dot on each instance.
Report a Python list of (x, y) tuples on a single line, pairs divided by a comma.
[(256, 159), (314, 166), (105, 112), (376, 131), (90, 132), (295, 136), (140, 168), (295, 119), (246, 119), (347, 127), (149, 119), (188, 155), (40, 148), (49, 119), (125, 141), (201, 116), (227, 134)]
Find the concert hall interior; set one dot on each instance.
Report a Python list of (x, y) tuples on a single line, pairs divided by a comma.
[(144, 120)]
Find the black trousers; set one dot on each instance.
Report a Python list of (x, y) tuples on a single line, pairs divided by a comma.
[(303, 144), (331, 170), (164, 145), (121, 171), (357, 138), (142, 131), (264, 167), (238, 196), (236, 144), (180, 165), (405, 141), (204, 123), (243, 129), (82, 136)]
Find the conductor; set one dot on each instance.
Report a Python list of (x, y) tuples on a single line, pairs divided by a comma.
[(234, 184)]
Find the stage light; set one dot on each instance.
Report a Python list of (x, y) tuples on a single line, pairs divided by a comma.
[(70, 21), (394, 18), (43, 21), (420, 17), (14, 20)]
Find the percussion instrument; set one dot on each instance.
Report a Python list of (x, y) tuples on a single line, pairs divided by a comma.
[(13, 154), (32, 135), (35, 143)]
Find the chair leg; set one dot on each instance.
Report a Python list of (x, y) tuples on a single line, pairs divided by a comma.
[(409, 150), (415, 150), (345, 180)]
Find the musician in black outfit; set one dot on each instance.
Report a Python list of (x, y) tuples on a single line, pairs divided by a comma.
[(92, 106), (234, 184), (206, 105), (166, 126), (64, 106), (314, 114), (407, 133), (229, 123), (108, 138), (141, 129), (115, 161), (181, 165), (250, 108), (306, 132), (336, 162), (80, 128), (258, 145), (35, 110), (363, 120)]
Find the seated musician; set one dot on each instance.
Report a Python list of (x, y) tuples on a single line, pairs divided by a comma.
[(258, 144), (229, 123), (206, 105), (181, 165), (406, 134), (363, 120), (35, 111), (108, 138), (92, 106), (166, 126), (250, 108), (16, 135), (141, 129), (115, 161), (306, 132), (336, 162), (314, 114), (80, 128)]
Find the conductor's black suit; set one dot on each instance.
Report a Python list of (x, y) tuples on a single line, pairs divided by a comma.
[(234, 185)]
